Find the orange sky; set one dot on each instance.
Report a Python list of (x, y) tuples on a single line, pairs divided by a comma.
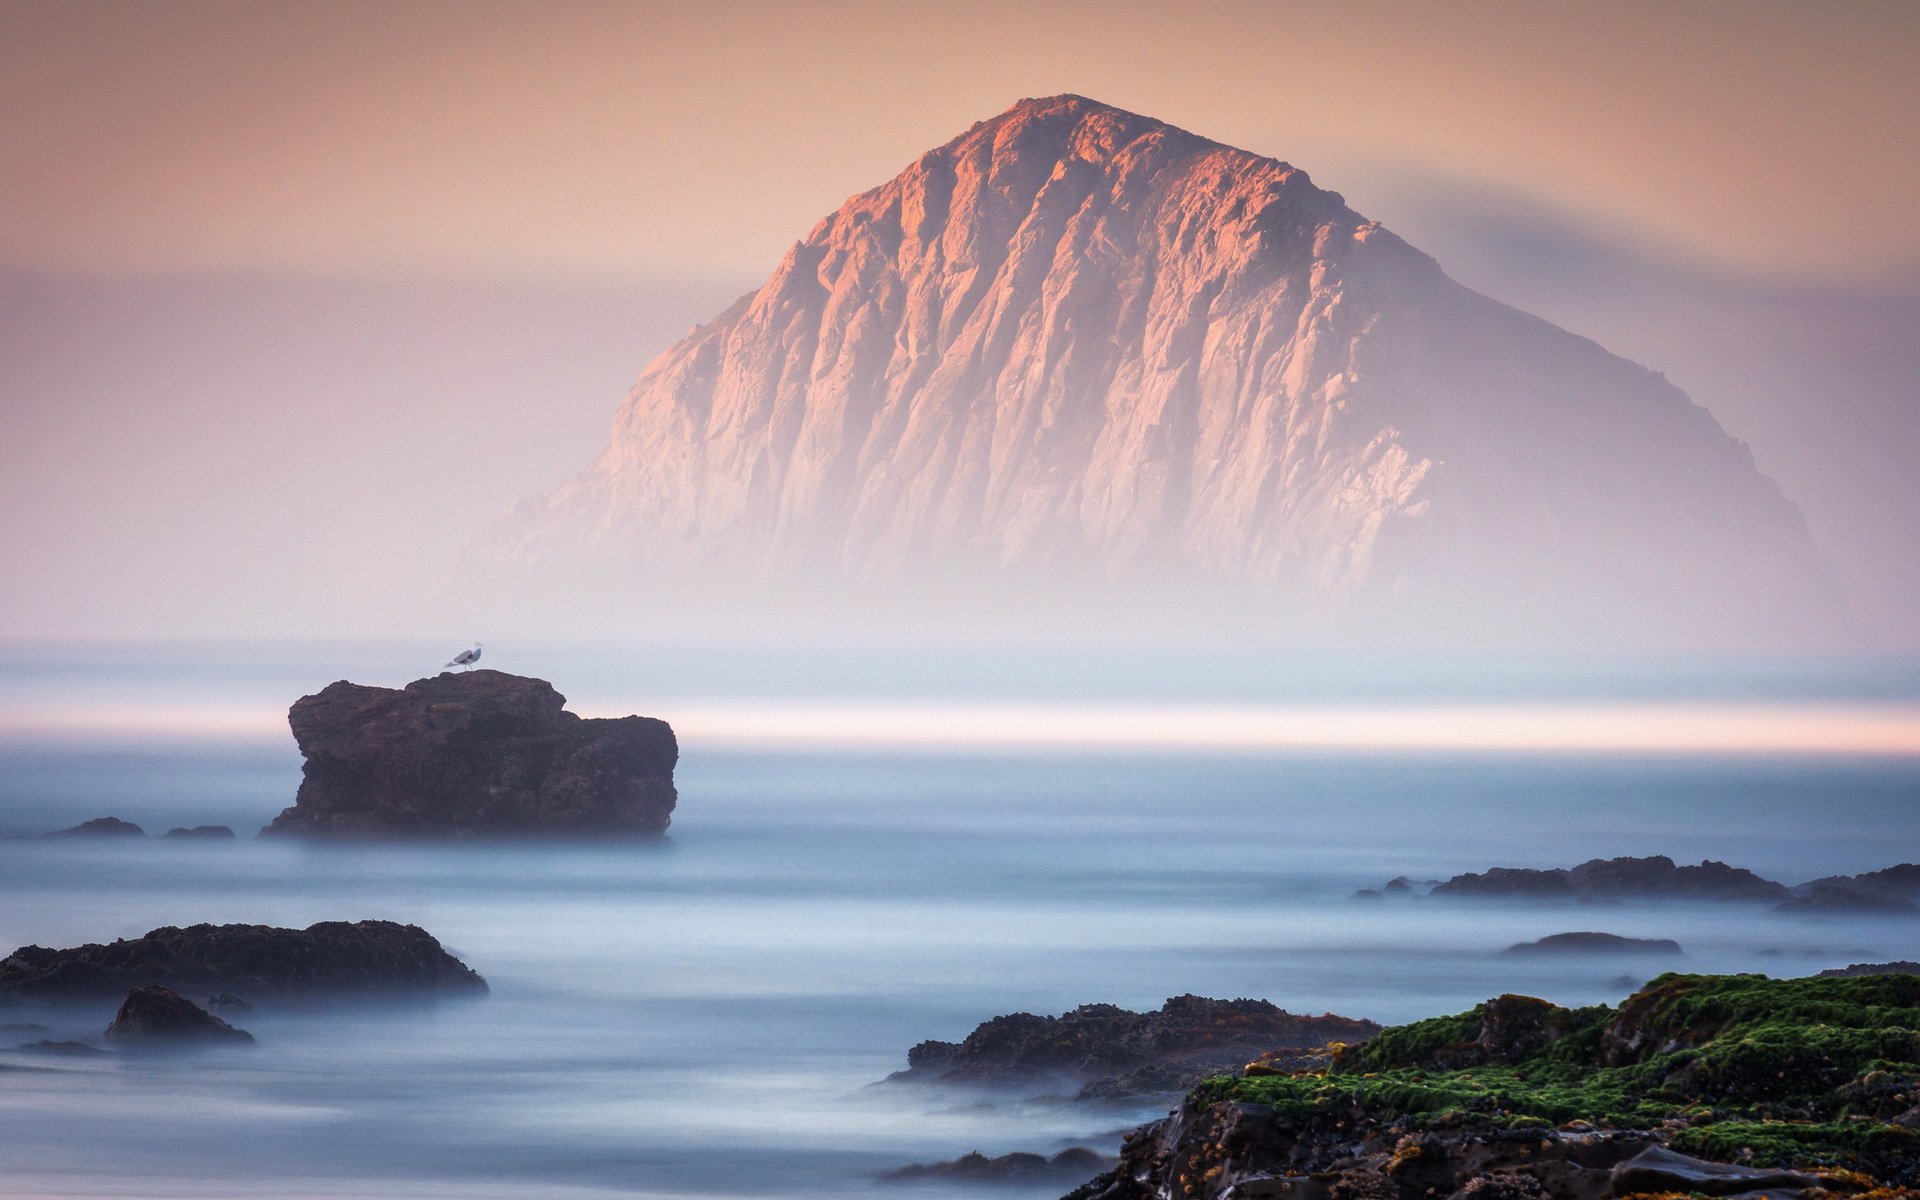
[(295, 295), (353, 137)]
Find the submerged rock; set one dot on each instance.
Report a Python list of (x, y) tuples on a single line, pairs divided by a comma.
[(216, 832), (361, 958), (100, 827), (158, 1015), (474, 754), (1114, 1054), (1595, 943)]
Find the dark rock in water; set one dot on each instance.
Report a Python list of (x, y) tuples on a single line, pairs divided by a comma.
[(61, 1049), (1111, 1053), (1900, 882), (1885, 968), (201, 831), (100, 827), (159, 1015), (474, 754), (1595, 943), (1658, 1169), (1071, 1164), (361, 958), (1844, 896), (1369, 894), (1618, 879)]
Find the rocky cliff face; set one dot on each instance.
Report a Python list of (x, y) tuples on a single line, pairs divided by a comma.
[(1078, 353), (474, 754)]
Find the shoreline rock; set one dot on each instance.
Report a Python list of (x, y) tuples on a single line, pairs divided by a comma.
[(1072, 1164), (473, 754), (1725, 1085), (250, 962), (1103, 1053)]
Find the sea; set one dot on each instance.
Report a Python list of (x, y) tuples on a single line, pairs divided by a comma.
[(876, 847)]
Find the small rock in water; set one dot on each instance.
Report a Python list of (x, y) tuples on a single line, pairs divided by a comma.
[(100, 827), (201, 831), (331, 958), (157, 1015), (1596, 943), (473, 755)]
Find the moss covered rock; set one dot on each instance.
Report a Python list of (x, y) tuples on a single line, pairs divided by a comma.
[(1818, 1074)]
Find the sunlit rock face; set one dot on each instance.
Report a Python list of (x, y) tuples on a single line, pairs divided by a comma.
[(1078, 354)]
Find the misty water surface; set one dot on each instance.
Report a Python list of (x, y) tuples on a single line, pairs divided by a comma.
[(702, 1016)]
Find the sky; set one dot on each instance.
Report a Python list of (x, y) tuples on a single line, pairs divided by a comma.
[(294, 297)]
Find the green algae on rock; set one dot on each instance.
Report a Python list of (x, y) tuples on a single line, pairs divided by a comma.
[(1818, 1074)]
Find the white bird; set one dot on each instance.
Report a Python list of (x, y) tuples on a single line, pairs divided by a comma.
[(466, 658)]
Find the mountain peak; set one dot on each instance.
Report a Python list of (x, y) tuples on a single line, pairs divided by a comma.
[(1079, 359), (1087, 128)]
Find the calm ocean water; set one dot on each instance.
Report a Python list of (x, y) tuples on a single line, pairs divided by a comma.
[(701, 1016)]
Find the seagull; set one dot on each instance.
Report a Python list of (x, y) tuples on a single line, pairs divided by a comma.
[(466, 658)]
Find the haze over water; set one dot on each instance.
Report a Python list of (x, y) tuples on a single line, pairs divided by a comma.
[(702, 1016)]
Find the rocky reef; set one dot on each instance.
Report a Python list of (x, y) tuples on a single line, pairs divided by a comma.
[(250, 962), (1657, 877), (1100, 1052), (474, 754), (1721, 1085), (156, 1016), (1618, 878)]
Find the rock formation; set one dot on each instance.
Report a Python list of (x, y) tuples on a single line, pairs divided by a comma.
[(1892, 890), (1656, 876), (201, 833), (109, 827), (1067, 1167), (1111, 1053), (1596, 943), (254, 962), (1077, 363), (474, 754), (159, 1016), (1903, 967)]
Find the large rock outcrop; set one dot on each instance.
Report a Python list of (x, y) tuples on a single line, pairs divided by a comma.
[(255, 962), (1724, 1085), (1078, 365), (474, 754)]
